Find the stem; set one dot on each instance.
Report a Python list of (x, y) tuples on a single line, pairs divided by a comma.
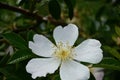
[(20, 10), (30, 14)]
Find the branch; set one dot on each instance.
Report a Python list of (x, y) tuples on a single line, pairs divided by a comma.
[(30, 14), (20, 10)]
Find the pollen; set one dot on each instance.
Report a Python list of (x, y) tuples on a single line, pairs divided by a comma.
[(64, 52)]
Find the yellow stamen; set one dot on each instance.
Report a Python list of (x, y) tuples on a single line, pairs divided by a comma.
[(64, 52)]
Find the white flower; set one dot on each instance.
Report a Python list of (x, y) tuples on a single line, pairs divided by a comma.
[(98, 73), (63, 54)]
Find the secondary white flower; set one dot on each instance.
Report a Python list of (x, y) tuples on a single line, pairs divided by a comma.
[(98, 73), (63, 54)]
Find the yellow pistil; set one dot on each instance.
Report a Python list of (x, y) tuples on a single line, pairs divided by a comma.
[(64, 52)]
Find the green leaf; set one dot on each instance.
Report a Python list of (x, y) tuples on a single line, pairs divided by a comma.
[(30, 35), (109, 63), (54, 9), (70, 4), (112, 51), (22, 2), (15, 40), (15, 72), (117, 30), (21, 55), (8, 75), (4, 60)]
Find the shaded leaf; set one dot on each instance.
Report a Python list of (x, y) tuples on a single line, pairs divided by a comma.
[(117, 30), (4, 60), (112, 51), (15, 72), (8, 74), (100, 12), (54, 9), (15, 40), (20, 55), (22, 2), (70, 4), (30, 35), (109, 63)]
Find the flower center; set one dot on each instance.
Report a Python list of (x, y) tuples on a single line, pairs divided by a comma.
[(64, 52)]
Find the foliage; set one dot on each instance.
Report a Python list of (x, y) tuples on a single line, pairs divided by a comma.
[(21, 19)]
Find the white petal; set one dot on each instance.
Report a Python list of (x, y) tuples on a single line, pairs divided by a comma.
[(41, 46), (71, 70), (89, 51), (39, 67), (68, 34)]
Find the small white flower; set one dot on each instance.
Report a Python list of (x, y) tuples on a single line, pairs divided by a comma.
[(63, 54), (98, 73)]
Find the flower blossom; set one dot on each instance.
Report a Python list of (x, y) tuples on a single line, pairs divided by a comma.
[(98, 73), (63, 55)]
